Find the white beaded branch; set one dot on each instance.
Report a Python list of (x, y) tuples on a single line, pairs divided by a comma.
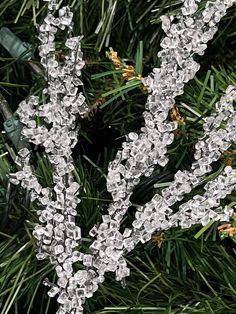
[(57, 232)]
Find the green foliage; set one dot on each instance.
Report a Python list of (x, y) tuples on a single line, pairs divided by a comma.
[(193, 271)]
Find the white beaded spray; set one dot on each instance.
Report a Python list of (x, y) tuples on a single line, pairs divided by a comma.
[(57, 233)]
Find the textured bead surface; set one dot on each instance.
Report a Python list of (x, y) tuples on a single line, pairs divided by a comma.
[(57, 234)]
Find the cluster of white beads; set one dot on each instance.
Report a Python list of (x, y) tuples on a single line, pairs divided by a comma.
[(57, 232)]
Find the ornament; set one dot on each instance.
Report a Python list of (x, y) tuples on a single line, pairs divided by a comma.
[(57, 233)]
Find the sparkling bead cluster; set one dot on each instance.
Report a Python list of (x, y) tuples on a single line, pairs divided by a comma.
[(141, 152), (57, 233), (160, 214)]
